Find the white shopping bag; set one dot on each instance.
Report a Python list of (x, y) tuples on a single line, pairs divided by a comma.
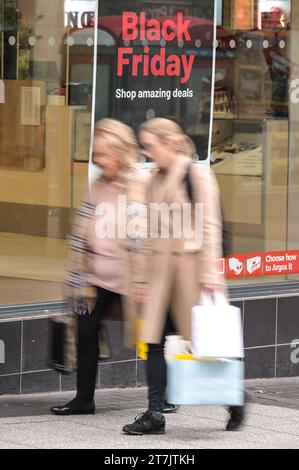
[(216, 328)]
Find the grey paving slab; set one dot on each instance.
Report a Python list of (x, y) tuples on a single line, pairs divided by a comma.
[(275, 392), (13, 445), (191, 428), (25, 422)]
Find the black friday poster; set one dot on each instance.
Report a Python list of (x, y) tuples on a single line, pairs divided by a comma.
[(155, 58)]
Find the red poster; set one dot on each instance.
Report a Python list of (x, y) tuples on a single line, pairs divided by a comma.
[(243, 14)]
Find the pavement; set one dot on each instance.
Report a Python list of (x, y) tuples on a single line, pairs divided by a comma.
[(272, 421)]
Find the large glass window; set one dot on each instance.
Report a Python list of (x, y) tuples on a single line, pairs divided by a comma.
[(46, 64), (251, 122), (47, 69), (250, 152)]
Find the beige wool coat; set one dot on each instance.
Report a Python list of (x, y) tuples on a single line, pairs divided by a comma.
[(175, 269)]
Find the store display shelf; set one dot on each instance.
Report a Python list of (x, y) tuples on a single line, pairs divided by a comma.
[(245, 117)]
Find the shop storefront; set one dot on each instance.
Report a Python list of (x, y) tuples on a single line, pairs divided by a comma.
[(65, 64)]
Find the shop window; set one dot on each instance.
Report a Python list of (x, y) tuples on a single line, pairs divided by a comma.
[(250, 145), (46, 65), (46, 62)]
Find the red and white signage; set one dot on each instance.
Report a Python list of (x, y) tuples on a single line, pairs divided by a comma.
[(281, 262), (235, 266), (271, 263), (254, 265)]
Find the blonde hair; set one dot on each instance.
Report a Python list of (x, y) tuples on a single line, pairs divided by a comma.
[(120, 138), (166, 130)]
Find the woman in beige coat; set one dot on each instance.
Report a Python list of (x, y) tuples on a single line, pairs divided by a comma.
[(180, 265), (104, 257)]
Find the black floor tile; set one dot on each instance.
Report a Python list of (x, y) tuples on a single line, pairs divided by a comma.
[(9, 384), (260, 362), (36, 343), (10, 347), (141, 374), (259, 322), (287, 364), (38, 382), (288, 320), (118, 374)]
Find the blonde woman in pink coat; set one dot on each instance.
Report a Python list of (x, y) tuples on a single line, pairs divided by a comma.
[(103, 268)]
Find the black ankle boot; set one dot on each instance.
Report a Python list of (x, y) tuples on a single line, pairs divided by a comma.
[(74, 407), (236, 418)]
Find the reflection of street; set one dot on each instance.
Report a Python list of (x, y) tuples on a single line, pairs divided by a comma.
[(255, 72)]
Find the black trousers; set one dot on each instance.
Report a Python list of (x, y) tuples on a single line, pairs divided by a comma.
[(88, 344), (156, 371)]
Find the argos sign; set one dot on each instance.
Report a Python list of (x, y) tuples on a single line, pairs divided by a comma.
[(262, 264)]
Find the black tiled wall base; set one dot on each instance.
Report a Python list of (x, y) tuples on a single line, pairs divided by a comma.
[(271, 338)]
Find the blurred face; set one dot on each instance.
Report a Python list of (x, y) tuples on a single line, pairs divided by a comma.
[(154, 148), (105, 159)]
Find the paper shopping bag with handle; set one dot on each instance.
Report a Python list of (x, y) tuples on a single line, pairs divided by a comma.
[(216, 328)]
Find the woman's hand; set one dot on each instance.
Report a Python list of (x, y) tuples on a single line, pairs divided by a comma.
[(211, 288)]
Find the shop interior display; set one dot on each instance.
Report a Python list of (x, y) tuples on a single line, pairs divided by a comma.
[(223, 105), (237, 158), (22, 130)]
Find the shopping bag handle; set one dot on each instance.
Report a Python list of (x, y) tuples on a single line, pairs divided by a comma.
[(220, 299), (217, 298), (205, 299)]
